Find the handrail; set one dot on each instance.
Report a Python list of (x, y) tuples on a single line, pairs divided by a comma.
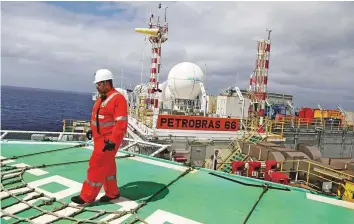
[(319, 165), (311, 171)]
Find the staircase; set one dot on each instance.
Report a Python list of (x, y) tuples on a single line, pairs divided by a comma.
[(237, 155), (255, 139)]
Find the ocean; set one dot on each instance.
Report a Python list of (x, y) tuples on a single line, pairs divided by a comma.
[(41, 110)]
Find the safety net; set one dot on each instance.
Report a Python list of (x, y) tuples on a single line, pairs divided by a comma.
[(39, 178)]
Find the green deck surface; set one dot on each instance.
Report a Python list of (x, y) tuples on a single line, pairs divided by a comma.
[(198, 197)]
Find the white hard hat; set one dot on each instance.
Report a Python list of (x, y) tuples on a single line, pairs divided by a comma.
[(102, 75)]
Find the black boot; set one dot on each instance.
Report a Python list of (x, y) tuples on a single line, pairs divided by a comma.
[(78, 200), (105, 198)]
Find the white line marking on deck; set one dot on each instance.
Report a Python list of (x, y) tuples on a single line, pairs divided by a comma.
[(330, 201), (159, 163), (161, 217), (39, 143), (73, 187)]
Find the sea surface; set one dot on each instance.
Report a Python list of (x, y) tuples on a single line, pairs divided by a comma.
[(41, 110)]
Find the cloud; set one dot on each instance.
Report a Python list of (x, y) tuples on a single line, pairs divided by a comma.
[(55, 46)]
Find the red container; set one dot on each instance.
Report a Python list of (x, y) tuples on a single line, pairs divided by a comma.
[(280, 178), (271, 166), (278, 117), (306, 114), (254, 169), (238, 167)]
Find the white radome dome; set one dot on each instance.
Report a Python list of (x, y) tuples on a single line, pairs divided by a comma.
[(168, 94), (183, 81), (163, 88)]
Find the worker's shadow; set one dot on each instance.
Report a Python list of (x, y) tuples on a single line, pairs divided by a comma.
[(138, 191), (143, 190)]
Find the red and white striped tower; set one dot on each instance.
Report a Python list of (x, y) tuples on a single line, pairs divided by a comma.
[(259, 80), (157, 34)]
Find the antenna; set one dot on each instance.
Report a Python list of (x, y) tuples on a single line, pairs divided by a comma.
[(157, 34), (259, 81), (341, 110), (269, 31), (166, 14), (319, 106)]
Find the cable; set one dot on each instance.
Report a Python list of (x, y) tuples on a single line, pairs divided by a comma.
[(72, 162), (265, 189), (37, 153), (172, 182), (16, 169), (143, 203), (250, 185)]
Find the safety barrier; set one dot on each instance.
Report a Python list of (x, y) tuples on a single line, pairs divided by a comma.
[(303, 173), (292, 123), (227, 154), (234, 152), (140, 113), (71, 125), (313, 124), (314, 171)]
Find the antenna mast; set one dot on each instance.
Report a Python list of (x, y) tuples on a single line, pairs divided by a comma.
[(257, 92), (157, 34)]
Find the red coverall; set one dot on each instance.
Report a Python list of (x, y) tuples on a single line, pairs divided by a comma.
[(112, 117)]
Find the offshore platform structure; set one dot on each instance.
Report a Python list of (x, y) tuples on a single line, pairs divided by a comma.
[(257, 92), (156, 34)]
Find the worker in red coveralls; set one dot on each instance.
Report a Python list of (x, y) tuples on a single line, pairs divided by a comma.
[(109, 124)]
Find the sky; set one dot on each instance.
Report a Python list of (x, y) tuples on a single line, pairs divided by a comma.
[(59, 45)]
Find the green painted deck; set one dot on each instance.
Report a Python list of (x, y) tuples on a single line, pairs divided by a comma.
[(197, 197)]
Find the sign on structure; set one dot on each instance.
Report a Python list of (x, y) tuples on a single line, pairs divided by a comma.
[(198, 123)]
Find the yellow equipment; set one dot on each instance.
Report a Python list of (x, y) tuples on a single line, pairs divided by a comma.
[(152, 32), (346, 190)]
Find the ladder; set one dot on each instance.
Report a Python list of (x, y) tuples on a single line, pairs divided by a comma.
[(237, 155)]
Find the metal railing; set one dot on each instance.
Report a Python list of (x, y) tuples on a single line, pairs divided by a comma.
[(71, 125), (313, 124), (228, 152), (312, 170), (291, 122)]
